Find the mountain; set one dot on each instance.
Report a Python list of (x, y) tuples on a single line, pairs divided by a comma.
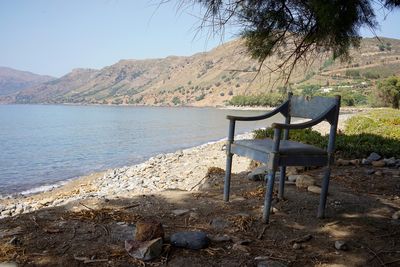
[(209, 79), (12, 80)]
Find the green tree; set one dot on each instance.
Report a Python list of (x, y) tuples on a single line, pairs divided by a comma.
[(294, 29), (388, 91)]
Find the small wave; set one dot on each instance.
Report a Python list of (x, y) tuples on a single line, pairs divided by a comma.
[(43, 188)]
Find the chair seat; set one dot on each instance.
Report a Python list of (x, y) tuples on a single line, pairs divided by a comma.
[(290, 152), (285, 147)]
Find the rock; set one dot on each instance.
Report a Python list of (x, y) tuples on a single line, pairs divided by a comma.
[(304, 181), (396, 215), (390, 162), (292, 178), (148, 230), (297, 246), (270, 263), (378, 173), (341, 245), (355, 162), (370, 171), (378, 163), (373, 157), (365, 162), (294, 170), (241, 248), (219, 223), (190, 240), (8, 264), (146, 250), (180, 212), (219, 238), (122, 231), (342, 162), (6, 213), (314, 189), (258, 174)]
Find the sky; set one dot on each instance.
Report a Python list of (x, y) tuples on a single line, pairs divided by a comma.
[(52, 37)]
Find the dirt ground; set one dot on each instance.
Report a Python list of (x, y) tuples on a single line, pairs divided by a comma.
[(92, 232)]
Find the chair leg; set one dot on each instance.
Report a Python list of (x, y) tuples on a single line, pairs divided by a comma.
[(227, 182), (282, 179), (324, 193), (268, 195)]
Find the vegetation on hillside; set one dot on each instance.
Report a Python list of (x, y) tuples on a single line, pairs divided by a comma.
[(376, 131), (296, 30)]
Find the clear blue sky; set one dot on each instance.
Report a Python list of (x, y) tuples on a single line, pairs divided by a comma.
[(54, 36)]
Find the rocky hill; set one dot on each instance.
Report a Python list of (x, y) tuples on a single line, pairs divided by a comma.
[(12, 80), (208, 79)]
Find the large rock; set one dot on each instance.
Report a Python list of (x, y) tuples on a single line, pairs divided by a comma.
[(373, 157), (258, 174), (148, 230), (145, 251), (304, 181), (190, 240)]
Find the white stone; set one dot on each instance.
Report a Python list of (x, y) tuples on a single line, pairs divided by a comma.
[(304, 181), (314, 189), (396, 215)]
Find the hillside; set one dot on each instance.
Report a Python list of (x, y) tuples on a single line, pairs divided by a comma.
[(211, 78), (12, 80)]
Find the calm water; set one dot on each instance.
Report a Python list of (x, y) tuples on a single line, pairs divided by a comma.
[(45, 144)]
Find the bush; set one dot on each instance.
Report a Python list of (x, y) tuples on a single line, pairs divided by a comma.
[(353, 73), (200, 97), (376, 131), (176, 100), (270, 100)]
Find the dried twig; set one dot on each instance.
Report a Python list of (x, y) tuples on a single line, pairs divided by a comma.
[(130, 206), (375, 256), (89, 208)]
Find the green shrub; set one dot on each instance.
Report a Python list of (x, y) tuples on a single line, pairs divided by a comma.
[(200, 97), (382, 122), (376, 131), (176, 100), (353, 73), (271, 99)]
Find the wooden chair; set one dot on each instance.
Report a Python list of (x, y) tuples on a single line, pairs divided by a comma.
[(281, 153)]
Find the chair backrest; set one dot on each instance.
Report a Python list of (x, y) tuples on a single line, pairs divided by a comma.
[(310, 107)]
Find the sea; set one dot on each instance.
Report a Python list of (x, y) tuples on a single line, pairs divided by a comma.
[(43, 146)]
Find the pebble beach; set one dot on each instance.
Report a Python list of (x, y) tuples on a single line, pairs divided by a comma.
[(182, 170)]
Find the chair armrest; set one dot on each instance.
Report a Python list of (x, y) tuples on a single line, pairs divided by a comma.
[(306, 124), (259, 117)]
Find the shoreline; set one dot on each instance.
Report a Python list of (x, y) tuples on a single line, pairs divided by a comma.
[(183, 170)]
